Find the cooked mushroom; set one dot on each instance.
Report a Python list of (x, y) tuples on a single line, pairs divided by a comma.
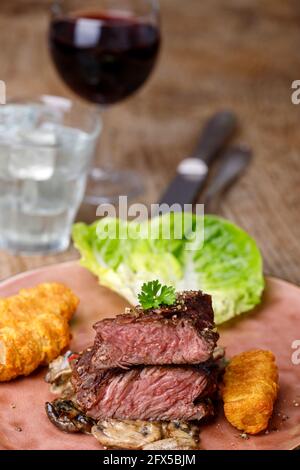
[(178, 436), (171, 443), (182, 431), (126, 434), (59, 375), (65, 415)]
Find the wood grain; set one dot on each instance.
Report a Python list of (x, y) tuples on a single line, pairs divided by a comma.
[(216, 54)]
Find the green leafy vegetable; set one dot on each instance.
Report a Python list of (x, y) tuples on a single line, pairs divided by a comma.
[(227, 265), (153, 294)]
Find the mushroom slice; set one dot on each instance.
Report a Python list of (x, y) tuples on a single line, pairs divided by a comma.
[(59, 375), (178, 436), (60, 366), (171, 443), (182, 431), (65, 390), (126, 434), (65, 415)]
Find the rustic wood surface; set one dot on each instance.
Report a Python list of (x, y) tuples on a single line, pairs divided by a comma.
[(238, 54)]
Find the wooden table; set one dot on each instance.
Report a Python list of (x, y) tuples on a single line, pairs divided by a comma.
[(239, 54)]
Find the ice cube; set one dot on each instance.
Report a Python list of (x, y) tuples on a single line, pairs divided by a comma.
[(4, 159), (14, 117), (29, 196), (75, 149), (40, 136), (44, 198), (33, 155)]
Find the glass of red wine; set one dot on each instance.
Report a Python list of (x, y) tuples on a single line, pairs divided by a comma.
[(105, 50)]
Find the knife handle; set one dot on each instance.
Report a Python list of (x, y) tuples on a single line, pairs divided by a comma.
[(215, 135)]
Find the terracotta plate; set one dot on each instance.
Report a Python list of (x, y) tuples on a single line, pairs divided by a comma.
[(275, 325)]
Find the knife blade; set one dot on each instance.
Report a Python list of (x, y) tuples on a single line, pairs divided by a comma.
[(233, 163), (192, 171)]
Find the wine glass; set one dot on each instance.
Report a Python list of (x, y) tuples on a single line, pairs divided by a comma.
[(105, 50)]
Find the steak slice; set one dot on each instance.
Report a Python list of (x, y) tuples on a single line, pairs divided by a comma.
[(179, 334), (158, 393)]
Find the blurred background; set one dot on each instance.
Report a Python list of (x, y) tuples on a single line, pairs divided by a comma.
[(216, 54)]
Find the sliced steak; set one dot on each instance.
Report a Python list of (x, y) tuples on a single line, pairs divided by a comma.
[(159, 393), (179, 334)]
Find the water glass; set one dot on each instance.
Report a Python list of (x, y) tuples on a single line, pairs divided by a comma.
[(46, 147)]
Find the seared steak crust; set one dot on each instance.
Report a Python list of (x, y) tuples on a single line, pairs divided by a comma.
[(179, 334)]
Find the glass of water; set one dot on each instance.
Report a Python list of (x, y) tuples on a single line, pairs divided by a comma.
[(46, 147)]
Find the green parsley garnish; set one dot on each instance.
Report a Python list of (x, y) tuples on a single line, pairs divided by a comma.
[(153, 294)]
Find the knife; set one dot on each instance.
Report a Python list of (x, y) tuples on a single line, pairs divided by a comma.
[(232, 164), (192, 171)]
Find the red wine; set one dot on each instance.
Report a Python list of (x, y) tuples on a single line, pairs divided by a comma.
[(103, 57)]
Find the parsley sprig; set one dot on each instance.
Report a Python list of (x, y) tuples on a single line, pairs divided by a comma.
[(153, 294)]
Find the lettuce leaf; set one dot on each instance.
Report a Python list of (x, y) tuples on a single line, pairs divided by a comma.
[(226, 262)]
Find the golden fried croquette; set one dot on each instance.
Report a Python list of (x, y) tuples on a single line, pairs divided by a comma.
[(34, 328), (250, 390)]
